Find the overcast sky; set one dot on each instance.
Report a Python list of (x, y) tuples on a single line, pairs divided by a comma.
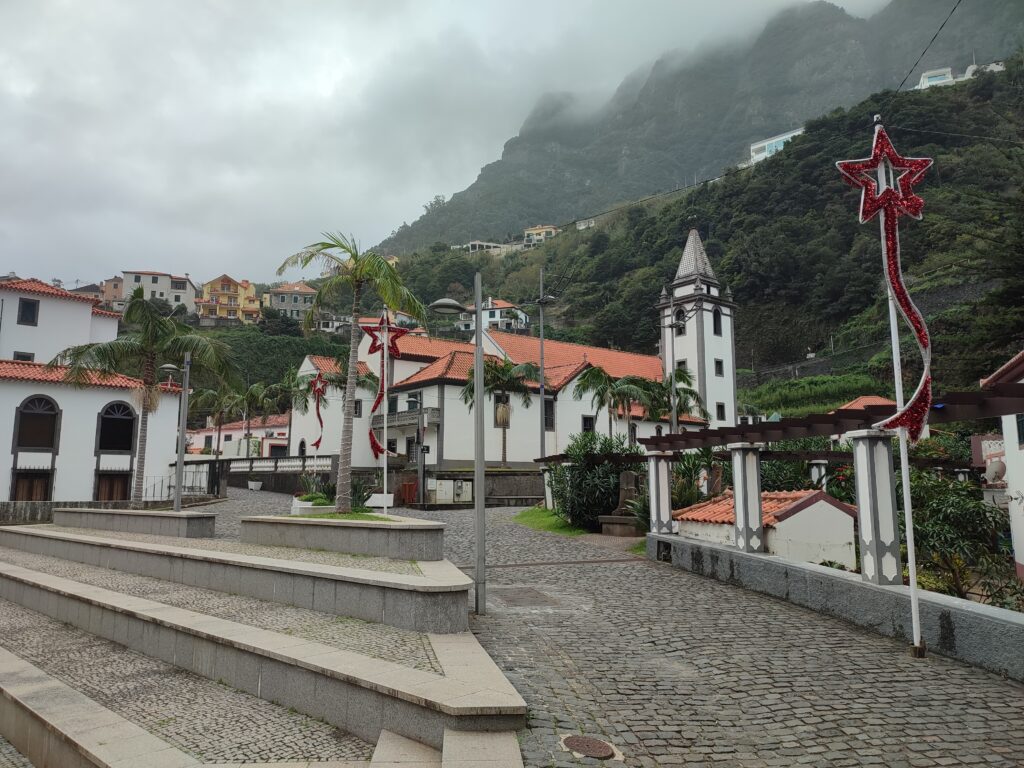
[(215, 136)]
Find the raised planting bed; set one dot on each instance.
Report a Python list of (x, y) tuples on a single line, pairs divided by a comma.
[(190, 525), (400, 538)]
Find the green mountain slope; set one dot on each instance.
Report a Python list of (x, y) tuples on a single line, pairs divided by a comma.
[(784, 236), (692, 116)]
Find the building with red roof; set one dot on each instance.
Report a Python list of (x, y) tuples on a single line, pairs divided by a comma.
[(808, 526), (498, 314), (268, 436)]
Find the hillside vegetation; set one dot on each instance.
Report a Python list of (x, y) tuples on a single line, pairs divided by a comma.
[(687, 117), (784, 237)]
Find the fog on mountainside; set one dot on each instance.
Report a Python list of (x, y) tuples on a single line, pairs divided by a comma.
[(692, 116)]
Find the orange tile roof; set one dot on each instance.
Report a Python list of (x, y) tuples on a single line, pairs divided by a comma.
[(494, 304), (1009, 372), (257, 422), (299, 287), (105, 313), (864, 401), (452, 368), (776, 506), (15, 370), (526, 349), (426, 348), (327, 364), (39, 288)]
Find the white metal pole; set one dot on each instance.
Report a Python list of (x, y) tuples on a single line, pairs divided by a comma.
[(384, 373), (543, 404), (897, 371), (179, 467), (480, 458)]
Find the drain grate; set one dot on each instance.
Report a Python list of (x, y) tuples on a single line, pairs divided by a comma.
[(589, 747)]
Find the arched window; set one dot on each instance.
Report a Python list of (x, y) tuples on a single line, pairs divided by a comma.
[(716, 321), (680, 322), (632, 434), (116, 432), (37, 424), (302, 447)]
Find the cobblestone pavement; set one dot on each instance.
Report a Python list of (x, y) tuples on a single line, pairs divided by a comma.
[(212, 722), (317, 556), (411, 649), (675, 669), (10, 757), (241, 502)]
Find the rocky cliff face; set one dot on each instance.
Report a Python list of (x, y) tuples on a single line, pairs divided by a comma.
[(696, 114)]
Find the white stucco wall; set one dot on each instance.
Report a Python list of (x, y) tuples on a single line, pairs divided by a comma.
[(1014, 459), (62, 323), (75, 467)]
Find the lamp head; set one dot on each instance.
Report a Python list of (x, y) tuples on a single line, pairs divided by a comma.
[(447, 307)]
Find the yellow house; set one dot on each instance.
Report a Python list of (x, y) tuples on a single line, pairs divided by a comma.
[(228, 300)]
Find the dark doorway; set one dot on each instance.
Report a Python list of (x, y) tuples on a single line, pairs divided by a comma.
[(278, 450), (32, 486), (113, 486)]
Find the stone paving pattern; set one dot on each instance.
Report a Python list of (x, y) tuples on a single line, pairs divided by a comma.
[(10, 757), (213, 723), (402, 646), (675, 669), (316, 556)]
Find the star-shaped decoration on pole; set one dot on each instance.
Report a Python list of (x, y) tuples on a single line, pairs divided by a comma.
[(901, 174), (318, 389), (378, 332)]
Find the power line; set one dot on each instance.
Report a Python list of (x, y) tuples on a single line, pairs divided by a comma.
[(911, 70), (962, 135)]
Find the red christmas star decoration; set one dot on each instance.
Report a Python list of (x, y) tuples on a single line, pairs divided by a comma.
[(376, 333), (898, 198)]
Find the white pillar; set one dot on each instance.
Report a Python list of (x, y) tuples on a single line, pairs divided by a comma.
[(659, 491), (819, 473), (875, 481), (746, 486)]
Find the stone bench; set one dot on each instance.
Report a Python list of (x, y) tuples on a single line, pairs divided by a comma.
[(400, 538), (189, 525)]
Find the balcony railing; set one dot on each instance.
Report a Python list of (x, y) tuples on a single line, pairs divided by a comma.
[(431, 417)]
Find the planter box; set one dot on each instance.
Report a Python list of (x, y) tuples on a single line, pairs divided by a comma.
[(183, 524), (304, 507), (400, 538), (255, 485), (619, 525)]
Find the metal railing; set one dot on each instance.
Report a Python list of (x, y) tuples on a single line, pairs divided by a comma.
[(288, 464), (195, 482)]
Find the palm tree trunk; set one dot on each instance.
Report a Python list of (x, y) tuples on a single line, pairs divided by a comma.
[(610, 434), (343, 498), (220, 426), (504, 446), (140, 464)]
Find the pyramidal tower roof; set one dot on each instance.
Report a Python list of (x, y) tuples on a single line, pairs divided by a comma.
[(694, 261)]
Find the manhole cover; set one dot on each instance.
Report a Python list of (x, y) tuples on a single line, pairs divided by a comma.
[(524, 597), (589, 747)]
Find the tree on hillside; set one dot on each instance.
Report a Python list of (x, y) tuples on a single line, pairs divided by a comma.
[(274, 322), (502, 380), (152, 339), (359, 272)]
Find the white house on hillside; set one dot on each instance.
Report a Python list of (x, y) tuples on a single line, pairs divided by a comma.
[(70, 443), (697, 332), (498, 314), (268, 437), (175, 289), (1012, 372)]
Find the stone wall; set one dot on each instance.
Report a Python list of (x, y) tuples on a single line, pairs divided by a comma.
[(23, 512), (978, 634)]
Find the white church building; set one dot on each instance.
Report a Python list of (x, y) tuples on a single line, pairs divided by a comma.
[(425, 406), (70, 443)]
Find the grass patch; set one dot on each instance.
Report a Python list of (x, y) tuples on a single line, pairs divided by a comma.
[(640, 548), (543, 519), (356, 514)]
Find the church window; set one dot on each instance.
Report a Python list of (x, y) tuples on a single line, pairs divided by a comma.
[(680, 323), (719, 368), (720, 411), (716, 321)]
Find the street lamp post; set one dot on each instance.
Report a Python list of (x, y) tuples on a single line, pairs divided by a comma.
[(452, 307), (179, 467)]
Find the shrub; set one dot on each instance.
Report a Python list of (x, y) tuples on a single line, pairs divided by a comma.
[(588, 486)]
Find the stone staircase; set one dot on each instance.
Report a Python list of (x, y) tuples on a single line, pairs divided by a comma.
[(120, 647)]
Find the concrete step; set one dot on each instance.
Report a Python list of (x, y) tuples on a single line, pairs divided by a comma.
[(186, 524), (436, 600), (394, 751), (351, 691), (465, 749)]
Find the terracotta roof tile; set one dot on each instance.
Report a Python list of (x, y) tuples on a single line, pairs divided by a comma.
[(15, 370), (105, 313), (858, 403), (299, 287), (327, 364), (39, 288), (526, 349), (453, 367), (273, 420), (775, 507), (427, 348)]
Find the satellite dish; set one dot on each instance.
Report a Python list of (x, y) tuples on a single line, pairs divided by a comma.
[(995, 471)]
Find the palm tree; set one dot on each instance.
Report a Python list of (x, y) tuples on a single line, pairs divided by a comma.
[(152, 339), (629, 391), (502, 379), (360, 272), (688, 400), (257, 398), (223, 402), (612, 394)]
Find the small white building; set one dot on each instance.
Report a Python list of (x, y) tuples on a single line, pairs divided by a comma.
[(765, 148), (293, 299), (268, 437), (538, 234), (697, 332), (498, 315), (806, 526), (175, 289), (1012, 372)]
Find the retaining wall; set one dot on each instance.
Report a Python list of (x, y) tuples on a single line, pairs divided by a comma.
[(988, 637)]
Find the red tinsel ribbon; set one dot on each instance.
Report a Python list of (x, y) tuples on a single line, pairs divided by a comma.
[(377, 334), (318, 388), (896, 200)]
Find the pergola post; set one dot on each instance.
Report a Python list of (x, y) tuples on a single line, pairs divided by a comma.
[(819, 473), (746, 486), (659, 491), (875, 483)]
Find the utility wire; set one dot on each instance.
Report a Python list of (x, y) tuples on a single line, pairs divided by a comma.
[(911, 70), (962, 135)]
